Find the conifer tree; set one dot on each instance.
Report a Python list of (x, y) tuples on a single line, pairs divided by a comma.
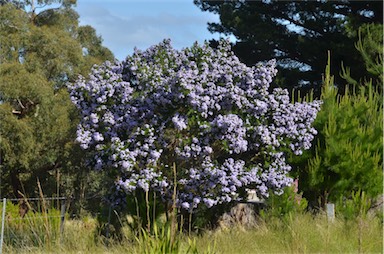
[(370, 47), (297, 34), (347, 156), (348, 153)]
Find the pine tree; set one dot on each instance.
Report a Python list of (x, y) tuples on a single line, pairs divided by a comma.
[(296, 33), (348, 154), (370, 47)]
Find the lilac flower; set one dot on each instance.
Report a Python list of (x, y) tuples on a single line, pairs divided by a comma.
[(209, 202), (133, 113), (125, 164), (155, 154), (98, 136), (94, 118), (179, 122), (185, 205)]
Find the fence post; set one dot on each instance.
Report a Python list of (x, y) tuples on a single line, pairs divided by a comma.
[(331, 211), (2, 225), (62, 217), (109, 220)]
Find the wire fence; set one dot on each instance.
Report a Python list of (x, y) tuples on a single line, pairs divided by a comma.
[(32, 221), (38, 221)]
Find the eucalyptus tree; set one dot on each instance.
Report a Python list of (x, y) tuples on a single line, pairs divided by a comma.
[(42, 48)]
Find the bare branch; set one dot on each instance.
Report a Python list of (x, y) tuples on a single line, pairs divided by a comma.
[(21, 104)]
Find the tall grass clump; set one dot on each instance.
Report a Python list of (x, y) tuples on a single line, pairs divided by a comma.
[(160, 241), (300, 233), (297, 233), (36, 229)]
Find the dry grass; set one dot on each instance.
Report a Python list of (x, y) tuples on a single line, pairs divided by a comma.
[(303, 233), (299, 234)]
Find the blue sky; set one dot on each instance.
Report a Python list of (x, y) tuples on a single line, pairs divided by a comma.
[(125, 24)]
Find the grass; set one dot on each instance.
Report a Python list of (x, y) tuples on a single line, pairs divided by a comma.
[(300, 234), (303, 233)]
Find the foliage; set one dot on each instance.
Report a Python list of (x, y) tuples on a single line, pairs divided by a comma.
[(348, 155), (290, 203), (296, 33), (196, 117), (160, 239), (160, 243), (353, 207), (370, 47), (40, 52), (38, 228)]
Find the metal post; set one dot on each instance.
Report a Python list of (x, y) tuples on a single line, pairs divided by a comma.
[(62, 215), (330, 211), (2, 225)]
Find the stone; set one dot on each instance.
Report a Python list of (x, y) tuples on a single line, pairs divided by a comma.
[(242, 215)]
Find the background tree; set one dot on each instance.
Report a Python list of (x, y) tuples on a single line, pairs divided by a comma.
[(370, 47), (348, 153), (296, 33), (347, 156), (40, 52)]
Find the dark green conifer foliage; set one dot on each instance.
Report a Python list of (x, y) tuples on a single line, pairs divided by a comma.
[(296, 33), (370, 47), (348, 154)]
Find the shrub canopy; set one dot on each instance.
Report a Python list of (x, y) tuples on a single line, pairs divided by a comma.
[(198, 109)]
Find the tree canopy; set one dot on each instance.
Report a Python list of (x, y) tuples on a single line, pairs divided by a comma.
[(296, 33), (40, 53), (347, 157)]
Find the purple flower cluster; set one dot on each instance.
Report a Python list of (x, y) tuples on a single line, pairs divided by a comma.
[(198, 108), (230, 128)]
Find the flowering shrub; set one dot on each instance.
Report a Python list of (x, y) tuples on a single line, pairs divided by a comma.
[(200, 109)]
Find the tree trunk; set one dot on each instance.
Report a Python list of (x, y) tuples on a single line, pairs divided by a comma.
[(16, 183)]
